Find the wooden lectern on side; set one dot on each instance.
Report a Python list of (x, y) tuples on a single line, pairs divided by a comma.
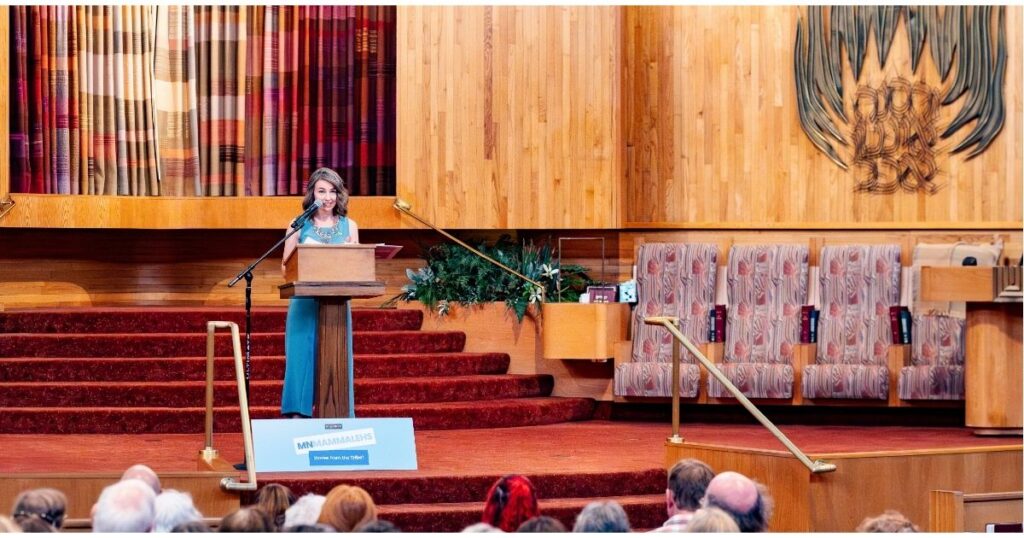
[(333, 274), (992, 369)]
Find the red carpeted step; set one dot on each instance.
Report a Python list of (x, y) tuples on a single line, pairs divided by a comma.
[(464, 489), (268, 393), (644, 511), (184, 320), (429, 416), (263, 367), (191, 345)]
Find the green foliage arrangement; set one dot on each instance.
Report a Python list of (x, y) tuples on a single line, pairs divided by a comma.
[(454, 275)]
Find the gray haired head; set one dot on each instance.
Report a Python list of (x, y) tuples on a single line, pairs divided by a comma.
[(173, 508), (127, 506), (305, 510), (602, 516)]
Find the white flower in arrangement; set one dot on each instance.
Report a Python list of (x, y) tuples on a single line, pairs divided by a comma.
[(409, 290), (536, 294), (548, 271), (443, 307)]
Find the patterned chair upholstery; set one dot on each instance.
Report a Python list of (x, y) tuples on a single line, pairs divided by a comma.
[(858, 285), (937, 360), (767, 286), (673, 279)]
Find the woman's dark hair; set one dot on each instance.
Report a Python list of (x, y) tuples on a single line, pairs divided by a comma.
[(332, 177), (47, 504), (247, 520), (274, 499)]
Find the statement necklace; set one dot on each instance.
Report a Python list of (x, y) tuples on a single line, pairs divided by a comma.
[(327, 233)]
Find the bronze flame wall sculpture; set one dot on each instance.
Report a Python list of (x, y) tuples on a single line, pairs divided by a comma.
[(891, 132)]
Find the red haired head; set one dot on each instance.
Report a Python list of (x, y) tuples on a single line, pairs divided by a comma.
[(510, 502)]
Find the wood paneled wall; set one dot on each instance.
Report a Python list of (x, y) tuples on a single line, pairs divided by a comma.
[(714, 138), (546, 117), (509, 116), (42, 268)]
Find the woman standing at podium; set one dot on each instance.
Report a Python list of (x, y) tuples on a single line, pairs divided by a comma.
[(330, 225)]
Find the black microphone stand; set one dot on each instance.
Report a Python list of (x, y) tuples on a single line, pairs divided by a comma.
[(247, 275)]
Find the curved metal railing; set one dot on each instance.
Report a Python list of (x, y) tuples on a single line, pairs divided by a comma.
[(208, 455)]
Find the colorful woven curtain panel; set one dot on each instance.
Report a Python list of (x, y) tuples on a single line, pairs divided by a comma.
[(320, 92), (142, 100), (198, 92)]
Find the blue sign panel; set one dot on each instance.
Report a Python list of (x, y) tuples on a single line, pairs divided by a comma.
[(334, 444)]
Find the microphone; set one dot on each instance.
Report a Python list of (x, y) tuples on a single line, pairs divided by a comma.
[(301, 219)]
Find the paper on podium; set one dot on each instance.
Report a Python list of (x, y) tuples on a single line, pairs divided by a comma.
[(385, 252)]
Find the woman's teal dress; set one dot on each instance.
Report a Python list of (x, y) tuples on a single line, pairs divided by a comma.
[(300, 337)]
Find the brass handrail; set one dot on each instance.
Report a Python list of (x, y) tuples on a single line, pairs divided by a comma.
[(404, 207), (6, 206), (209, 455), (670, 323)]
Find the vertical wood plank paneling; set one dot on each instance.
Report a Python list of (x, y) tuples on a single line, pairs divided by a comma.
[(714, 135), (509, 117)]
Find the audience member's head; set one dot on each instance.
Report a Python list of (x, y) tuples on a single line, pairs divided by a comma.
[(318, 527), (541, 524), (687, 481), (482, 527), (511, 501), (192, 526), (347, 507), (173, 508), (602, 516), (8, 525), (35, 524), (890, 521), (377, 525), (45, 504), (126, 506), (247, 520), (274, 500), (304, 511), (145, 474), (742, 498), (711, 520)]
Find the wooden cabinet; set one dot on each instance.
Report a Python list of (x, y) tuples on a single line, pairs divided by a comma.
[(583, 331)]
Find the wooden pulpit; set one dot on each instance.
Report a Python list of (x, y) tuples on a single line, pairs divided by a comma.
[(992, 369), (333, 274)]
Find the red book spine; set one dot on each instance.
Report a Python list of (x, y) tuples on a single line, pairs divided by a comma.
[(894, 324), (720, 322), (805, 323)]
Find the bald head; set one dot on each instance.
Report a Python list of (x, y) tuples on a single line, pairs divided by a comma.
[(144, 473), (742, 498), (733, 490)]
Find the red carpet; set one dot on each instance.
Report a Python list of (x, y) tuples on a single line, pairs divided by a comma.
[(570, 463), (142, 370)]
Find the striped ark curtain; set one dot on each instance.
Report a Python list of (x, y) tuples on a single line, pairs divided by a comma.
[(198, 91), (81, 120), (321, 82), (140, 100)]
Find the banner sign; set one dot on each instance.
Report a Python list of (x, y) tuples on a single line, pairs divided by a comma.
[(334, 444)]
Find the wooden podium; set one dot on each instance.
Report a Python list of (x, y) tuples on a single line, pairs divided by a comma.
[(333, 274), (992, 369)]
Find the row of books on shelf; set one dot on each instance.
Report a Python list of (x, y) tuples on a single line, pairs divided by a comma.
[(899, 321)]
